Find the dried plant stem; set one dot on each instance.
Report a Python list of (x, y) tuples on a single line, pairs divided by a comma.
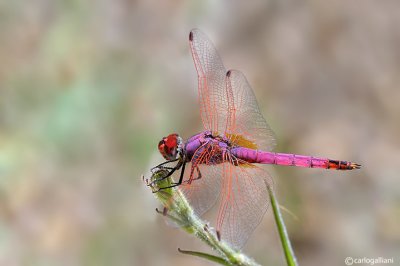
[(178, 210)]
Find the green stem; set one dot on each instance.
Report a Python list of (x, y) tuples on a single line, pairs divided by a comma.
[(283, 235), (205, 256)]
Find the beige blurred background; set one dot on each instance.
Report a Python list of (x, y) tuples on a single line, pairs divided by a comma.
[(88, 88)]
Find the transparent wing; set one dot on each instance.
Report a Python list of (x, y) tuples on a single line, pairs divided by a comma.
[(211, 82), (246, 125), (202, 193), (240, 188), (244, 201), (228, 105)]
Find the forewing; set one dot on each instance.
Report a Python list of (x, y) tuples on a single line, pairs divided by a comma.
[(246, 125), (211, 82), (244, 201)]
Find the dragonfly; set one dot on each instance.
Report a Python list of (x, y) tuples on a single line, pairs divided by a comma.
[(222, 163)]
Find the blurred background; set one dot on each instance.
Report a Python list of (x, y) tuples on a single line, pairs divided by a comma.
[(88, 88)]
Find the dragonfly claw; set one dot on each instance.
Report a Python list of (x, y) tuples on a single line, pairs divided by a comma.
[(145, 180), (154, 182)]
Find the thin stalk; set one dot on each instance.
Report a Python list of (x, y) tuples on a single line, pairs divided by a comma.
[(283, 235), (205, 256)]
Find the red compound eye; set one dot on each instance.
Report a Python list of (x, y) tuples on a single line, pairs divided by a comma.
[(168, 146), (172, 141), (161, 148)]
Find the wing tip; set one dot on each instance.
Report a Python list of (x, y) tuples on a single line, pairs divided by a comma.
[(218, 235), (191, 35)]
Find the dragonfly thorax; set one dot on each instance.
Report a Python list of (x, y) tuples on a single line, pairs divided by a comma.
[(171, 146)]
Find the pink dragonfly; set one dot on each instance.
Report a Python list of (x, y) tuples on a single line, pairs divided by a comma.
[(219, 164)]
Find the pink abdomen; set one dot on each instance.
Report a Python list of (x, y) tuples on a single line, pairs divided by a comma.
[(264, 157)]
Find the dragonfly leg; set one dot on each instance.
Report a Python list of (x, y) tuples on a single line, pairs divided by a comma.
[(170, 169), (199, 176), (174, 184), (198, 173), (160, 166), (164, 177), (166, 168)]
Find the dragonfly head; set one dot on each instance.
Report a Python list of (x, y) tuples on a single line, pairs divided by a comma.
[(171, 146)]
